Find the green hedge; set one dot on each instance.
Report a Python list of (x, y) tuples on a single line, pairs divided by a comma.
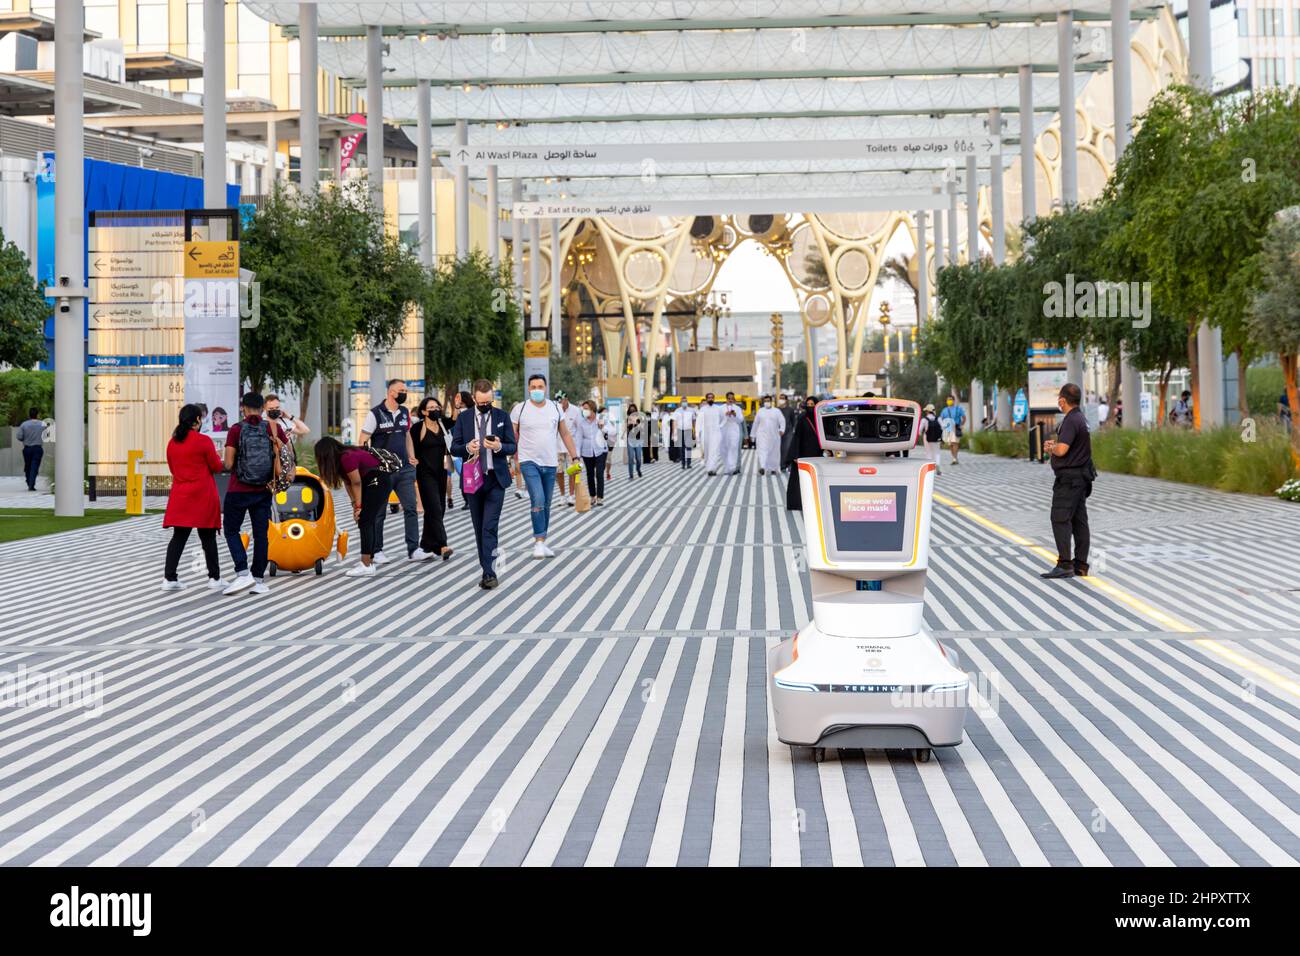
[(1219, 458), (1012, 444)]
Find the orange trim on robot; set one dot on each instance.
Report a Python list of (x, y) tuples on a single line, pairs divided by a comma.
[(817, 504)]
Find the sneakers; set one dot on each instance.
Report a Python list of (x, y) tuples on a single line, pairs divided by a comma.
[(419, 554), (599, 501), (488, 582), (216, 584), (361, 571), (547, 550), (259, 587), (539, 550), (568, 500), (379, 558), (173, 586), (243, 581)]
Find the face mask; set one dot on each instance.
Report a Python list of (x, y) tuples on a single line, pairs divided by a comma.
[(708, 401), (767, 404), (484, 406), (591, 415), (433, 412), (273, 413), (537, 394)]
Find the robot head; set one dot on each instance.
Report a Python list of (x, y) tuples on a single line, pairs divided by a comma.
[(870, 426)]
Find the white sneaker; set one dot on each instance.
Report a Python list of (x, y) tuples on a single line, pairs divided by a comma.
[(539, 550), (173, 585), (361, 571), (379, 558), (216, 584), (420, 555), (547, 550), (259, 587), (242, 582), (568, 499)]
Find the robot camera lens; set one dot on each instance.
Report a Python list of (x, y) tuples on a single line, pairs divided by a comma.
[(846, 428), (888, 428)]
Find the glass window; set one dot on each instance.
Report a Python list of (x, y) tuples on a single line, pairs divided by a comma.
[(1243, 23), (151, 26)]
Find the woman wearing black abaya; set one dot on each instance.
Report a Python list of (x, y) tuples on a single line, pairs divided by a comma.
[(805, 444)]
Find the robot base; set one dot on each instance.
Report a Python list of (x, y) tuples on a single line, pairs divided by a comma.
[(907, 693)]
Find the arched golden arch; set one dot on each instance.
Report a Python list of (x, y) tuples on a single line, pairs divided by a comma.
[(1159, 57)]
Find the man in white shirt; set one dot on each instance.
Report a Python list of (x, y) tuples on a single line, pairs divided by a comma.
[(683, 422), (572, 414), (709, 427), (539, 429), (733, 423), (769, 427)]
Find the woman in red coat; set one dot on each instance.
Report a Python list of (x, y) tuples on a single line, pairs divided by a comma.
[(194, 503)]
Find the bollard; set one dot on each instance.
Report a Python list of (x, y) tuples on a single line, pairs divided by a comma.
[(134, 483)]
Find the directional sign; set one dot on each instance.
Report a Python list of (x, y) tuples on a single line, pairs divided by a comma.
[(1020, 410), (212, 260), (580, 209), (949, 147)]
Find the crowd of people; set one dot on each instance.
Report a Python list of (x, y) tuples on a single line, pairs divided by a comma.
[(414, 455)]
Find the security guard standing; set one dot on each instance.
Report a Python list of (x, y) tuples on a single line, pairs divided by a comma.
[(1071, 455)]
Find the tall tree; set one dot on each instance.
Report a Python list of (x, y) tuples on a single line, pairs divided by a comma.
[(23, 310), (1274, 318), (471, 321)]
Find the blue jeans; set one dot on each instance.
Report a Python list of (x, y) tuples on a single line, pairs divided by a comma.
[(540, 481), (634, 460), (257, 505), (32, 455)]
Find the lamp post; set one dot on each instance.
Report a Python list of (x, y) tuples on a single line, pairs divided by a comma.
[(778, 347)]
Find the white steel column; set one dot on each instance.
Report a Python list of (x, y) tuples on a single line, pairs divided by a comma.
[(1028, 164), (556, 305), (462, 194), (953, 235), (922, 271), (214, 98), (1121, 71), (1209, 340), (70, 257), (272, 147), (424, 169), (375, 114), (997, 210), (1069, 134), (493, 218), (535, 272), (517, 240), (940, 249), (309, 120), (972, 211)]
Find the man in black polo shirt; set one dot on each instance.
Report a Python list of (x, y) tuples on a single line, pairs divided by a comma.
[(1071, 453)]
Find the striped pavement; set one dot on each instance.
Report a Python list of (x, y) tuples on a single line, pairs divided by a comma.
[(609, 707)]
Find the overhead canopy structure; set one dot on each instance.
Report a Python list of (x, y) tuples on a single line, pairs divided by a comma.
[(144, 65), (22, 95), (576, 75)]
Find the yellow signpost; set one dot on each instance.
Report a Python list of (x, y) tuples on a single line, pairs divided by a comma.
[(134, 483), (211, 260)]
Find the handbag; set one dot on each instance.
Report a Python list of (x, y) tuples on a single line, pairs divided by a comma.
[(471, 476)]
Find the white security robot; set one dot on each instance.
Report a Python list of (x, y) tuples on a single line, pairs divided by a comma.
[(865, 674)]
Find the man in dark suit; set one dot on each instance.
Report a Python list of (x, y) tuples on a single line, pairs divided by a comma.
[(485, 431)]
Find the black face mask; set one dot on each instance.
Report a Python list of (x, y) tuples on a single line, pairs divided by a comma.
[(484, 406), (400, 398), (708, 401), (273, 413)]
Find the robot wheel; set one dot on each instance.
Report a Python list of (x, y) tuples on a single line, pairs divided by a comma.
[(922, 754)]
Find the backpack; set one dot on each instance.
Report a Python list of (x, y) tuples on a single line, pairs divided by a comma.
[(255, 457), (933, 430), (288, 469), (389, 463)]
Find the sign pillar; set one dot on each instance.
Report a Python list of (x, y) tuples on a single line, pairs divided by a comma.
[(69, 292)]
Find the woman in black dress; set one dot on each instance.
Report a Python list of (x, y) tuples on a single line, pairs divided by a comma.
[(429, 437), (805, 444)]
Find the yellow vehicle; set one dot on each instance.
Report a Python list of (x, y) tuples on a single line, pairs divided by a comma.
[(301, 532), (748, 403)]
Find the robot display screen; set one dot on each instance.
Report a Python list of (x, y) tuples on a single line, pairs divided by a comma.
[(869, 519)]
